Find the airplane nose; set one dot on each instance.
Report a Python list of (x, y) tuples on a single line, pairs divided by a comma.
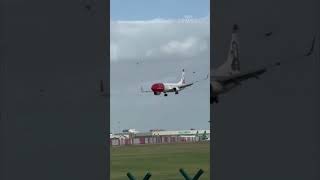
[(159, 87)]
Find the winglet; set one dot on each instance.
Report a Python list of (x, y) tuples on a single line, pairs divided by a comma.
[(312, 47)]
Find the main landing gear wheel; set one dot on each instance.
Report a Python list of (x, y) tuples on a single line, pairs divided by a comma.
[(177, 92), (165, 94)]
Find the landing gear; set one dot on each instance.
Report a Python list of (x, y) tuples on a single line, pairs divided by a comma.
[(176, 91), (165, 94)]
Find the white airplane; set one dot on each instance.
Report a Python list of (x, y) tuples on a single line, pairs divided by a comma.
[(165, 88), (228, 75)]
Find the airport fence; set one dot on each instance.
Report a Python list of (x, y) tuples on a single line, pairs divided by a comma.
[(182, 172)]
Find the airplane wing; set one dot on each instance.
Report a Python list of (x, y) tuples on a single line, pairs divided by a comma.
[(190, 84), (144, 91), (186, 85), (237, 78)]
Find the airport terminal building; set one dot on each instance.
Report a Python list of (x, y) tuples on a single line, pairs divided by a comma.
[(159, 137)]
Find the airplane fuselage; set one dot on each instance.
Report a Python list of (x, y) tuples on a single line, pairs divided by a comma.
[(164, 88), (159, 88)]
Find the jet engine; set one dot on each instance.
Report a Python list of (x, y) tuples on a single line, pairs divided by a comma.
[(176, 90), (217, 87)]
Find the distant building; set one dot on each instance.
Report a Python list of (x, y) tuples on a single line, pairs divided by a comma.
[(152, 130), (159, 136), (130, 131)]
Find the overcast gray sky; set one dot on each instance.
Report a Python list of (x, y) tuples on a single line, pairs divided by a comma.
[(163, 46)]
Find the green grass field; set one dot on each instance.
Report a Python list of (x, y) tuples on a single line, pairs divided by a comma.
[(163, 161)]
